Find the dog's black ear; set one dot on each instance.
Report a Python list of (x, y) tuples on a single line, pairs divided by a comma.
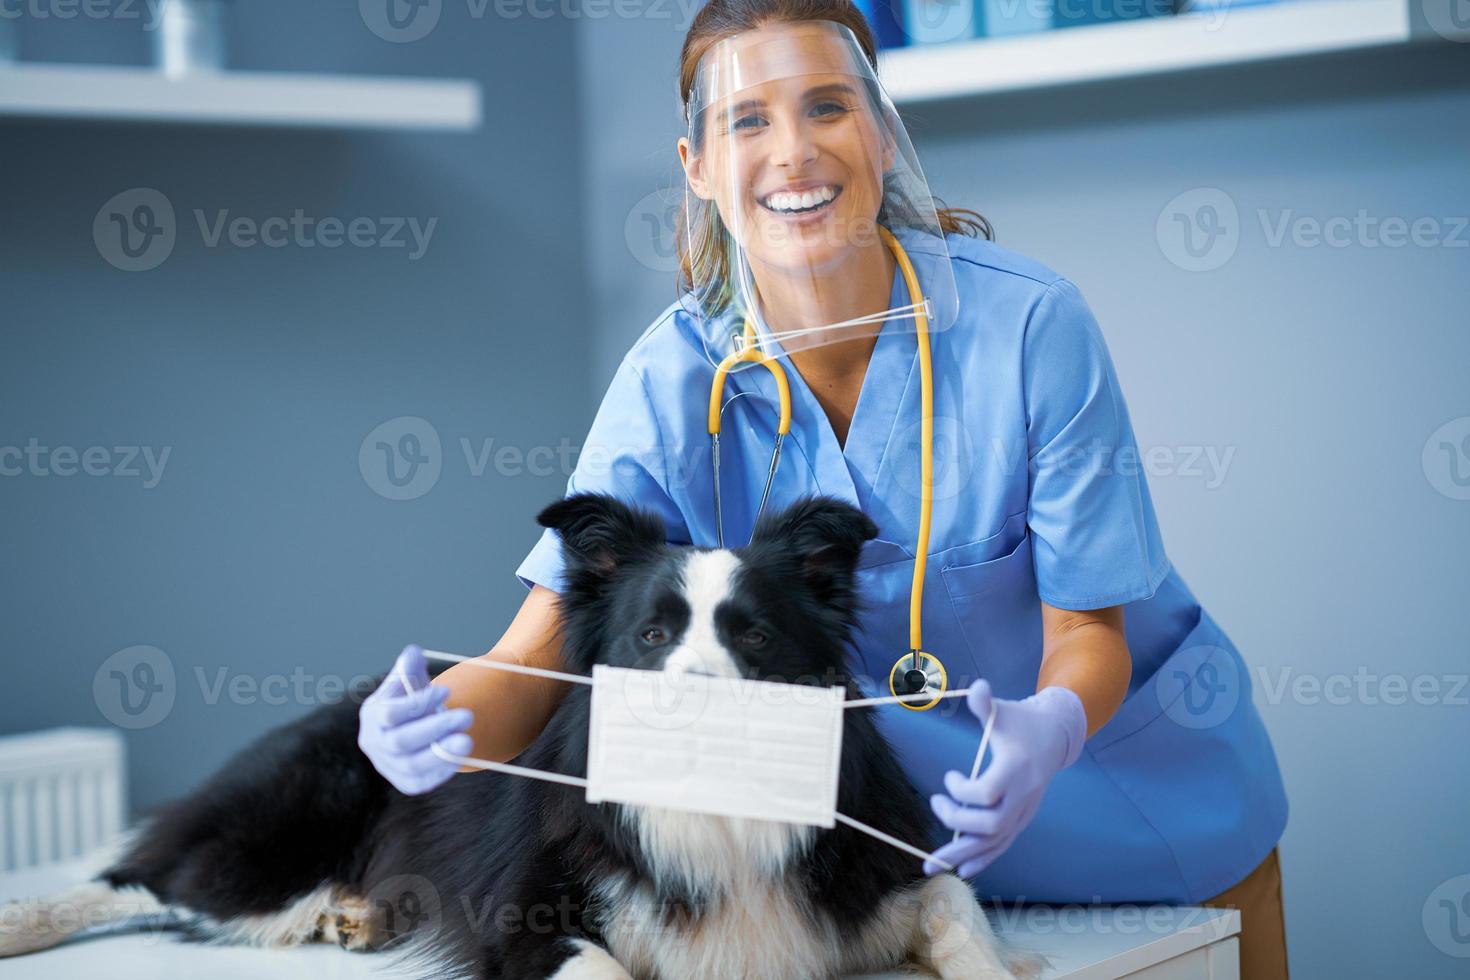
[(824, 534), (600, 534)]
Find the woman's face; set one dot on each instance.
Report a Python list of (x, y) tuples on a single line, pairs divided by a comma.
[(794, 157)]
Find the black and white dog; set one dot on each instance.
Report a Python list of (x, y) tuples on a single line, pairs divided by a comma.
[(298, 839)]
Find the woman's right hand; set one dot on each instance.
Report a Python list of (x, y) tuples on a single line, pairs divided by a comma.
[(397, 724)]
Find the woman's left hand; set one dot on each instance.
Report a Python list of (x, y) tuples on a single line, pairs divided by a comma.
[(1033, 740)]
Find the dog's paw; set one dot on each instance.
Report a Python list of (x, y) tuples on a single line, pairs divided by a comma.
[(1025, 965), (954, 937), (24, 929), (349, 924)]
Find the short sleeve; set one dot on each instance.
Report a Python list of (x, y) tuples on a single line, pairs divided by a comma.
[(623, 455), (1096, 539)]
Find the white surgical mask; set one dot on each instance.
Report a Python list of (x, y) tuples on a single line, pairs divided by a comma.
[(720, 745)]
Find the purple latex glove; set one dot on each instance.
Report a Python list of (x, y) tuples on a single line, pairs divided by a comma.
[(400, 720), (1031, 741)]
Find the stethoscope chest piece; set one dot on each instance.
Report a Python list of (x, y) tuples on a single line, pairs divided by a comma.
[(917, 672)]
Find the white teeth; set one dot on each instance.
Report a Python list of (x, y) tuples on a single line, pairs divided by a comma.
[(784, 201)]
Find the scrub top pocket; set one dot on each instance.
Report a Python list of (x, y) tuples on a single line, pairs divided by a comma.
[(879, 552), (992, 588), (980, 566)]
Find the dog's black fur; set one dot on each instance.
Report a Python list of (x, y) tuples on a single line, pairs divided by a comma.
[(303, 806)]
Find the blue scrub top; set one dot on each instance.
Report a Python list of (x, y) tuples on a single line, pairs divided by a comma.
[(1040, 495)]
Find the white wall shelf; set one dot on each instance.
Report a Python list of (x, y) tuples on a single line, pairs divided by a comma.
[(237, 98), (1123, 49)]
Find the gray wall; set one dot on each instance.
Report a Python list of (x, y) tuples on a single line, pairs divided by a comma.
[(1315, 374), (263, 551)]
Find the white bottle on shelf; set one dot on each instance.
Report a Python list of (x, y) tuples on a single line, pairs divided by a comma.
[(190, 36)]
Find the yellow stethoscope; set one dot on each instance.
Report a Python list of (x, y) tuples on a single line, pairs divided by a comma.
[(915, 672)]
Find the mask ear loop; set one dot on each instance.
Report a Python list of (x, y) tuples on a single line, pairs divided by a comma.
[(506, 767), (979, 754)]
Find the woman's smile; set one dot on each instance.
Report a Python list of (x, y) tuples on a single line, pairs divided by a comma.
[(800, 202)]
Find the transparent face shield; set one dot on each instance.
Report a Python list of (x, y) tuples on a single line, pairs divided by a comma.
[(808, 219)]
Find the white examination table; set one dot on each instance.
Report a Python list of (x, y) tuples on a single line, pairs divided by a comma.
[(1156, 943)]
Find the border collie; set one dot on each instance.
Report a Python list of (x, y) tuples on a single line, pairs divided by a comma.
[(299, 840)]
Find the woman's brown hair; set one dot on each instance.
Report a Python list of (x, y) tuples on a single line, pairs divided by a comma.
[(701, 238)]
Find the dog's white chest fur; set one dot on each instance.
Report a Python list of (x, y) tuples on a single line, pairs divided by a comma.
[(754, 922), (750, 923)]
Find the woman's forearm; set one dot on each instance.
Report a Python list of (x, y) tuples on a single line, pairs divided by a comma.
[(511, 709), (1087, 653)]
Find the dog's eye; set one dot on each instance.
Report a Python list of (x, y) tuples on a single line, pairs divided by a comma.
[(653, 636), (754, 639)]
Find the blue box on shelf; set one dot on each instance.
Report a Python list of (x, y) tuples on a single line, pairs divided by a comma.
[(1005, 18), (1211, 6), (939, 21), (885, 17), (1075, 13)]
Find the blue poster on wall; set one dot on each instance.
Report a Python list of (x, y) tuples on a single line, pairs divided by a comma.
[(885, 18)]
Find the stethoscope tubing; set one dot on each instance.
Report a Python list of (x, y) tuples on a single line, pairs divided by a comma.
[(750, 352)]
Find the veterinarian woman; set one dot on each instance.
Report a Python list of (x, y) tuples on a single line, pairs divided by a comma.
[(1128, 764)]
